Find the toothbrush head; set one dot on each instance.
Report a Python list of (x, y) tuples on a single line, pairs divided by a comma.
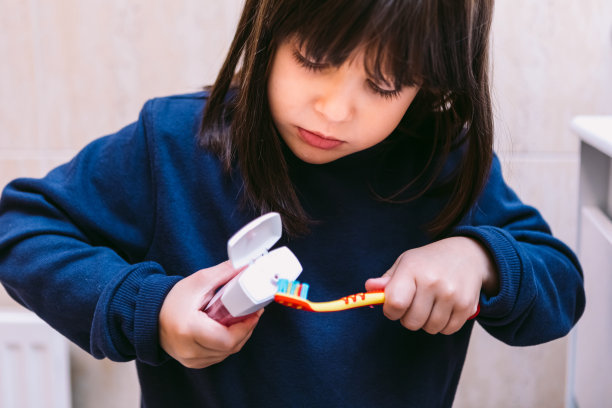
[(293, 294)]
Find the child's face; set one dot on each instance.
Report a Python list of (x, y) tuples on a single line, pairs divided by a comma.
[(324, 112)]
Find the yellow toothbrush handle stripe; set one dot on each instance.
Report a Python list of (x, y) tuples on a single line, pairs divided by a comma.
[(347, 302), (350, 302)]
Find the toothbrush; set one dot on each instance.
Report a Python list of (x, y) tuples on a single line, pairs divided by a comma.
[(293, 294)]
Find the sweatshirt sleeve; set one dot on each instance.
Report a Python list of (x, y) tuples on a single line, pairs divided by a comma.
[(541, 285), (73, 247)]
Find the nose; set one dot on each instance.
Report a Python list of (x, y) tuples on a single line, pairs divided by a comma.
[(335, 101)]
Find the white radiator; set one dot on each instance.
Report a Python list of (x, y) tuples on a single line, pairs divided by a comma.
[(34, 363)]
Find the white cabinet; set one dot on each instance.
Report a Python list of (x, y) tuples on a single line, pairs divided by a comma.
[(590, 355)]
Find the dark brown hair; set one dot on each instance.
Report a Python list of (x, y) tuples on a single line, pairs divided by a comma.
[(441, 45)]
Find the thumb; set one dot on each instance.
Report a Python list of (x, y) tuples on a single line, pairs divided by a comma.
[(218, 275), (377, 283), (382, 282)]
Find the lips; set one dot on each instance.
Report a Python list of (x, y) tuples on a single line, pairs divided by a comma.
[(317, 140)]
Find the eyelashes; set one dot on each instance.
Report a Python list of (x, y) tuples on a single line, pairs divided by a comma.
[(308, 64), (385, 93), (314, 66)]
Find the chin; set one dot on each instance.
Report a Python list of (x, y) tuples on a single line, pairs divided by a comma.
[(318, 157), (313, 159)]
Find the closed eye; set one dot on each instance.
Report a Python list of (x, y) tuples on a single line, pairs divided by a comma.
[(385, 93), (320, 66), (308, 64)]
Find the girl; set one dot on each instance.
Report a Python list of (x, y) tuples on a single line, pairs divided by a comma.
[(368, 126)]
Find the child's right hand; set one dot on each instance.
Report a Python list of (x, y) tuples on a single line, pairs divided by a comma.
[(187, 333), (437, 287)]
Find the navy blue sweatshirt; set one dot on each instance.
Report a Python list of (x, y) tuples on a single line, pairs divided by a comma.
[(95, 246)]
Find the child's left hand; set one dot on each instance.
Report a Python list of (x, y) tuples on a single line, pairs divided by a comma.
[(437, 287)]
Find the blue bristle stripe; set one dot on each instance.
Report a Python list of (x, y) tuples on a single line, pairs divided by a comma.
[(283, 286), (294, 287), (304, 291)]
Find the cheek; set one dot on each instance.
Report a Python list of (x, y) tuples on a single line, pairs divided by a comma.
[(395, 111), (383, 120), (284, 95)]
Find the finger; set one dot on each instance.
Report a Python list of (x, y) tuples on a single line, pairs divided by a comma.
[(381, 282), (454, 324), (377, 283), (213, 335), (391, 271), (219, 275), (204, 358), (399, 296), (417, 315), (211, 279), (213, 356), (240, 345), (458, 318), (439, 317), (243, 329)]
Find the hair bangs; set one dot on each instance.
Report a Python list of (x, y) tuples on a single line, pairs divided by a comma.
[(333, 31)]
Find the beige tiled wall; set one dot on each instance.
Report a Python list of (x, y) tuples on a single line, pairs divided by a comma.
[(73, 70)]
